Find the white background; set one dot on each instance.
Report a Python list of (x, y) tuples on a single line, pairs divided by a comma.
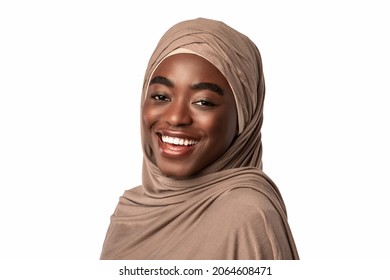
[(70, 81)]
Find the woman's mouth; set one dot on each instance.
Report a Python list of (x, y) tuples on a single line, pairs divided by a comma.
[(178, 141), (175, 146)]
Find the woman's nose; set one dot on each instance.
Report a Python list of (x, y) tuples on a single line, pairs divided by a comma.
[(178, 114)]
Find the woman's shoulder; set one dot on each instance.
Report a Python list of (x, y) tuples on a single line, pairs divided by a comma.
[(245, 205), (246, 197)]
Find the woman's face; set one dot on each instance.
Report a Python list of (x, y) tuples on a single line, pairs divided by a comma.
[(189, 115)]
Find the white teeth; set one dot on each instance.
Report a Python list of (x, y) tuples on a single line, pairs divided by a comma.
[(178, 141)]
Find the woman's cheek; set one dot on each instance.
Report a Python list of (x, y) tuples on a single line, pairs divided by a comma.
[(149, 114), (215, 122)]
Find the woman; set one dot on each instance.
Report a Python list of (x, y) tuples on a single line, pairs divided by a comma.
[(203, 193)]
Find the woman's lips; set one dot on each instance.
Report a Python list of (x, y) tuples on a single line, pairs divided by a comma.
[(174, 146), (178, 141)]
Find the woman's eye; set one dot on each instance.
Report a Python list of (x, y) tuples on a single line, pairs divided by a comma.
[(159, 97), (204, 103)]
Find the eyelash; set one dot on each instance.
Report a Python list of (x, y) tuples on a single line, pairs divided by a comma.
[(203, 103), (159, 97)]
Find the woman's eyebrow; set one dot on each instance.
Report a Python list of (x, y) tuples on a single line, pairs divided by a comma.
[(199, 86), (209, 86), (162, 80)]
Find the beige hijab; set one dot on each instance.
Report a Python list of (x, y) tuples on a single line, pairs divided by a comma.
[(231, 209)]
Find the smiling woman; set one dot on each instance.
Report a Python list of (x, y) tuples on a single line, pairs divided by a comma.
[(189, 115), (203, 193)]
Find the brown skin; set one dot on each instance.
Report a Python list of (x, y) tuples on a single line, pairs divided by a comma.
[(188, 98)]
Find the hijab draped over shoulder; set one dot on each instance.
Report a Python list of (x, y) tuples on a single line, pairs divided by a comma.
[(230, 209)]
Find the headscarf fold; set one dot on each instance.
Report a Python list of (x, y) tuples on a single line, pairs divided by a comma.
[(167, 218)]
